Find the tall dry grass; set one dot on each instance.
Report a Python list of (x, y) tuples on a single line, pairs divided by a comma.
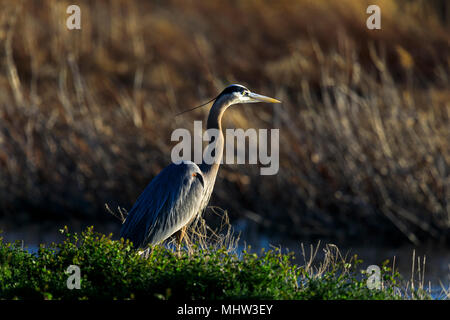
[(86, 116)]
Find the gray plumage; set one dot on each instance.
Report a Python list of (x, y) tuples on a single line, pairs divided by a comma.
[(167, 204), (182, 190)]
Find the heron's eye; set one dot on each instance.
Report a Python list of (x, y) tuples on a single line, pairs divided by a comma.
[(194, 174)]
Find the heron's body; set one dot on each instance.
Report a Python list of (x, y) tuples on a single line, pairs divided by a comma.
[(182, 190), (166, 205)]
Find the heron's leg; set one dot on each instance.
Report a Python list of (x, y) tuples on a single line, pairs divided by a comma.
[(180, 235)]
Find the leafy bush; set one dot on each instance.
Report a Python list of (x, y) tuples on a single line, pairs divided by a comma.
[(113, 270), (343, 282)]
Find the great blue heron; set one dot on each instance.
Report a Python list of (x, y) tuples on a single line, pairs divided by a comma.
[(182, 190)]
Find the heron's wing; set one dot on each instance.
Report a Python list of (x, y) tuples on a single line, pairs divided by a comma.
[(168, 203)]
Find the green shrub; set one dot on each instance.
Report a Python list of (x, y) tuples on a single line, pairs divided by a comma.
[(113, 270)]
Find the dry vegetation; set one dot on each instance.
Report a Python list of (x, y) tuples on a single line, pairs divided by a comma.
[(86, 116)]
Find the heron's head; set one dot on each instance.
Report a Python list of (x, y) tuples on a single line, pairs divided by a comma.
[(236, 93)]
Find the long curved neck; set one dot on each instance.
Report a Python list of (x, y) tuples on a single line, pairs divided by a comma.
[(215, 115), (215, 122)]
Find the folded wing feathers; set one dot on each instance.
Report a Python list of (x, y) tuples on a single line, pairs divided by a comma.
[(164, 206)]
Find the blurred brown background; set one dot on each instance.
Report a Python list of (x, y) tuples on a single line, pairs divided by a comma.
[(86, 115)]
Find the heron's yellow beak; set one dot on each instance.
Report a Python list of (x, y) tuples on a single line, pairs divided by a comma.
[(260, 98)]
